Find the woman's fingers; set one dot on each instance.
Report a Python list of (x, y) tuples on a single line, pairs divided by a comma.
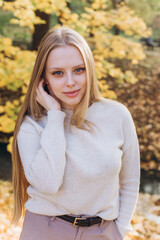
[(40, 85), (39, 90), (45, 99)]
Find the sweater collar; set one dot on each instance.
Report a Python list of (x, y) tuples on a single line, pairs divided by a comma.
[(68, 112)]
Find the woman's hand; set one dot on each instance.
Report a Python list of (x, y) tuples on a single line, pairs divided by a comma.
[(48, 101)]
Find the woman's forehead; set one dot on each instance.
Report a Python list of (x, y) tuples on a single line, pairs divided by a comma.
[(61, 57)]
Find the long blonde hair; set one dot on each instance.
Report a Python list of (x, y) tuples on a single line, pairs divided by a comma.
[(54, 38)]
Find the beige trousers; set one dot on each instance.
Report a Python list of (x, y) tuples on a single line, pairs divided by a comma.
[(41, 227)]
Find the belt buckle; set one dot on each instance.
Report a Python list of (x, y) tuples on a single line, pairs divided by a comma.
[(75, 221)]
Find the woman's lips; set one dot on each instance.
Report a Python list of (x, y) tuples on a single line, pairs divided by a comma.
[(72, 93)]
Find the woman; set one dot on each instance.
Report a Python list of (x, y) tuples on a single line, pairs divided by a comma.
[(75, 154)]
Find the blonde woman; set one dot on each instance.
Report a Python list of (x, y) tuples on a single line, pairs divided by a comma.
[(75, 154)]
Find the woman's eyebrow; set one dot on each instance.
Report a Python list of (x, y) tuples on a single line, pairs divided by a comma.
[(79, 65)]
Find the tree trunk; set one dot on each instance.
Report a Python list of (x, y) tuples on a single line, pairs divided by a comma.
[(40, 29), (115, 5), (116, 2)]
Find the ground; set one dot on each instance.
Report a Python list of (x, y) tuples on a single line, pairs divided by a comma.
[(146, 220)]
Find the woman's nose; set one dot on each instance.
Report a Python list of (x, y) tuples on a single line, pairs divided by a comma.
[(70, 80)]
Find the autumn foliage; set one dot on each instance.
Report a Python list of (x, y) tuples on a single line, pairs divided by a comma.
[(143, 99)]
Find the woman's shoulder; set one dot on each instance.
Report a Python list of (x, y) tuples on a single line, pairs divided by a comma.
[(114, 108), (112, 105), (29, 124)]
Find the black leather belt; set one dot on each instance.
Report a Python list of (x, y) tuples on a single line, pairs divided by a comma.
[(81, 221)]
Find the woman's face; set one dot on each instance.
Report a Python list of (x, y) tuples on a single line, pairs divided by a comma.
[(66, 74)]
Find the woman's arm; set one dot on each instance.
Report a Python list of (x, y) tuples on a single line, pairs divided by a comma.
[(129, 175), (43, 155)]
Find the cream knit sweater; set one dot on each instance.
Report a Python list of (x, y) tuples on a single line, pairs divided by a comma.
[(72, 171)]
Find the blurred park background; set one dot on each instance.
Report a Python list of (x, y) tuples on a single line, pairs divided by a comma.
[(125, 40)]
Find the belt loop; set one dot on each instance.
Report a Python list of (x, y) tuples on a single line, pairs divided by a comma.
[(52, 218), (102, 222), (89, 221)]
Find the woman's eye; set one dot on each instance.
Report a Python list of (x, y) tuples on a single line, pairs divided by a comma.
[(58, 73), (78, 70)]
